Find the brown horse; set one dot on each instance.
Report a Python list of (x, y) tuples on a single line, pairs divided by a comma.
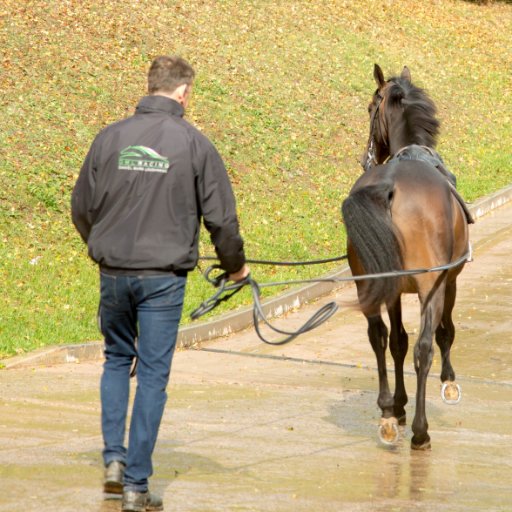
[(404, 213)]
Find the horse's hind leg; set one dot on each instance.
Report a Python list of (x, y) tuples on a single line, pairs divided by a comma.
[(398, 345), (378, 335), (431, 312), (445, 334)]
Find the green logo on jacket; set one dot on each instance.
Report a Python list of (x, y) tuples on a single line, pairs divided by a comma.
[(141, 158)]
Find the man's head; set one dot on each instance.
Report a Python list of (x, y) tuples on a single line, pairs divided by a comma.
[(172, 77)]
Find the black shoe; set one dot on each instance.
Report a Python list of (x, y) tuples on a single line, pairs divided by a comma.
[(134, 501), (114, 474)]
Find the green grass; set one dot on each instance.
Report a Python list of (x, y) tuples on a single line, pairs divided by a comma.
[(282, 90)]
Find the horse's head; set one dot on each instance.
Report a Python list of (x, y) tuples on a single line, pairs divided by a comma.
[(400, 114), (378, 147)]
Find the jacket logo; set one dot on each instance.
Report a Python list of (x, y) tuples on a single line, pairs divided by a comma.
[(141, 158)]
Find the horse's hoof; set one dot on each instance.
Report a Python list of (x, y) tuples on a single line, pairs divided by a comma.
[(388, 431), (421, 446), (451, 393)]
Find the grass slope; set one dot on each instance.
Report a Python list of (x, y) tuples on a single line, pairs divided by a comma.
[(282, 90)]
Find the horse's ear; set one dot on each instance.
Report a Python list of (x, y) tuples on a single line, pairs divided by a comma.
[(406, 74), (379, 76)]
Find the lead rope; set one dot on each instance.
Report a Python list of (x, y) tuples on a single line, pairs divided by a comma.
[(226, 291)]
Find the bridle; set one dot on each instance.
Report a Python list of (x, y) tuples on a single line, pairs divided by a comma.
[(370, 159)]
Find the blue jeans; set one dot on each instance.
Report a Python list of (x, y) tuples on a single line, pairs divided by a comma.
[(148, 308)]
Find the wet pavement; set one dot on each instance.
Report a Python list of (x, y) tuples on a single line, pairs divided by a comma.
[(252, 427)]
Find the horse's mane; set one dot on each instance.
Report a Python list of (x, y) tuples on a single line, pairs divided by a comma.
[(419, 111)]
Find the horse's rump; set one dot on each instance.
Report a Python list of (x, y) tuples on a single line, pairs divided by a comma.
[(401, 215)]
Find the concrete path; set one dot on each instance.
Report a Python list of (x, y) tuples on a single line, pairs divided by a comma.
[(250, 427)]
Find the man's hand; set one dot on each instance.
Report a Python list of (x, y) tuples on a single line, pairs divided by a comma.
[(241, 274)]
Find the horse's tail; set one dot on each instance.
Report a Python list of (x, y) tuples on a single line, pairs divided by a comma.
[(370, 230)]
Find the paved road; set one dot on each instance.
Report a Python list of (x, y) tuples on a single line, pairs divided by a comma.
[(251, 427)]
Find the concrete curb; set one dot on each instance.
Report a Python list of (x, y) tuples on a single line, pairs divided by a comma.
[(491, 202), (229, 323)]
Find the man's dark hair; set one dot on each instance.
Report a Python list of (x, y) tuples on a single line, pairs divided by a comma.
[(166, 74)]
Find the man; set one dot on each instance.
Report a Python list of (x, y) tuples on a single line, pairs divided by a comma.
[(143, 188)]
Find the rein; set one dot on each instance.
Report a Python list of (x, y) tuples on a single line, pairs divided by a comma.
[(226, 291), (370, 156)]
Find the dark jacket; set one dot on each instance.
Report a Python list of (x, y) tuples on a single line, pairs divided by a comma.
[(143, 188)]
